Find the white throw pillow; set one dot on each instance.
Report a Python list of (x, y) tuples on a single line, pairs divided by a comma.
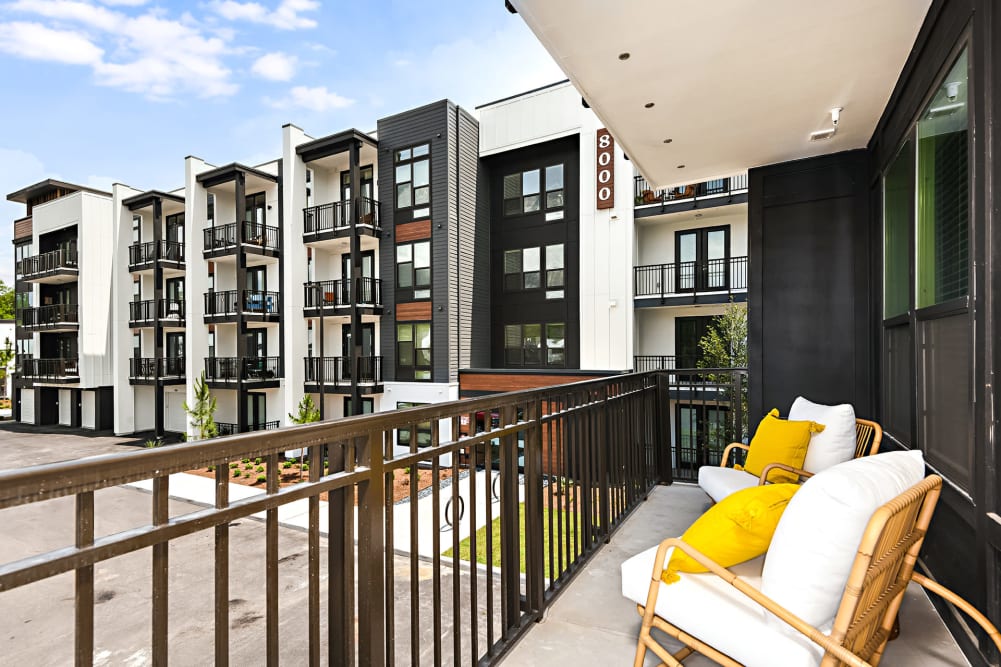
[(836, 443), (814, 546)]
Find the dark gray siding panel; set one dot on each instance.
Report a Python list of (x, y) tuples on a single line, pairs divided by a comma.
[(474, 251), (443, 251)]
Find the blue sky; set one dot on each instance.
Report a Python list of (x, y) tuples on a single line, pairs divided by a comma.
[(96, 92)]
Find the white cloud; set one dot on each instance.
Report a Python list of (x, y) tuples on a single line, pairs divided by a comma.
[(317, 98), (275, 66), (147, 53), (124, 3), (284, 17)]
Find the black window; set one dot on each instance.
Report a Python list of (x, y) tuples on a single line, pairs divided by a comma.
[(211, 341), (413, 269), (423, 431), (136, 228), (367, 406), (210, 209), (534, 190), (702, 259), (688, 331), (412, 177), (22, 251), (413, 351), (523, 270), (535, 345)]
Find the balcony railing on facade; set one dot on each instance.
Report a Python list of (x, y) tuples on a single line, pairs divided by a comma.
[(718, 190), (682, 282), (149, 370), (252, 304), (230, 428), (560, 468), (51, 370), (143, 313), (56, 266), (143, 256), (335, 295), (258, 239), (336, 372), (333, 220), (233, 370), (57, 317)]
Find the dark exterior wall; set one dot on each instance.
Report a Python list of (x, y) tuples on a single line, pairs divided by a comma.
[(470, 338), (810, 321)]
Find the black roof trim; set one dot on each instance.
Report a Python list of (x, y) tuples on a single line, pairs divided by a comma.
[(24, 194), (144, 199), (228, 172), (527, 92), (333, 144)]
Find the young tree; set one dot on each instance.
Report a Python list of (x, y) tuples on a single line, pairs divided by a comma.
[(724, 345), (6, 356), (307, 412), (201, 414), (6, 301)]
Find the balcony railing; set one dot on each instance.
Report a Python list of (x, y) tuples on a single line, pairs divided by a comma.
[(248, 369), (560, 467), (653, 362), (715, 275), (51, 317), (336, 293), (141, 313), (60, 260), (337, 370), (144, 254), (255, 236), (249, 302), (171, 311), (152, 368), (645, 195), (336, 217), (229, 428), (51, 369)]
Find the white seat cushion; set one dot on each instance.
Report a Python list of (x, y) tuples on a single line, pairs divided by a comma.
[(720, 482), (814, 546), (836, 443), (708, 608)]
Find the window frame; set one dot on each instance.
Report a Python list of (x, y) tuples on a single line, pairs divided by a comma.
[(513, 282), (410, 292), (410, 372), (512, 354), (410, 161), (423, 428), (542, 193)]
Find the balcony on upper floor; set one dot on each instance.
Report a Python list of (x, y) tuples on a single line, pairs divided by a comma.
[(687, 283), (53, 318), (334, 374), (334, 297), (150, 370), (230, 428), (54, 267), (170, 313), (144, 256), (717, 192), (56, 370), (251, 238), (230, 372), (251, 305), (326, 222)]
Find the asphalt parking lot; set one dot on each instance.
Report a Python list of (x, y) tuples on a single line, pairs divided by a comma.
[(22, 446)]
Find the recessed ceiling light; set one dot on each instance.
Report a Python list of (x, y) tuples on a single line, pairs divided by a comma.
[(681, 166), (667, 141), (648, 105), (624, 55)]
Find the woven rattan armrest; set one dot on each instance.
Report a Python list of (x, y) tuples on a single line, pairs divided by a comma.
[(729, 448), (803, 475)]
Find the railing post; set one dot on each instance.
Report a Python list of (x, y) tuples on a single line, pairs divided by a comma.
[(84, 603), (509, 527), (372, 555), (534, 537), (603, 443), (662, 447)]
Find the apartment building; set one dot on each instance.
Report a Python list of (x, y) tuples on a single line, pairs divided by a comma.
[(63, 307)]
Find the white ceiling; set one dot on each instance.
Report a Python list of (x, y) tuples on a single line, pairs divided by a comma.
[(735, 83)]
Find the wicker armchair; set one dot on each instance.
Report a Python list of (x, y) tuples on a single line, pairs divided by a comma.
[(882, 569)]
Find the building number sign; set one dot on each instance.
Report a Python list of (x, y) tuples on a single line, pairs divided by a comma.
[(605, 169)]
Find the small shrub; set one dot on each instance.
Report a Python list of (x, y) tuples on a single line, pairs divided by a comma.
[(211, 469), (244, 460), (237, 473), (234, 465), (258, 460), (262, 478), (287, 465), (259, 469), (305, 466), (293, 460)]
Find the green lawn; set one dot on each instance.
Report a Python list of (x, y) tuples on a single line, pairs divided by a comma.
[(560, 516)]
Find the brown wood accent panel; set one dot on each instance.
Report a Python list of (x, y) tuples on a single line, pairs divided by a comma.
[(515, 381), (413, 231), (418, 311), (22, 228)]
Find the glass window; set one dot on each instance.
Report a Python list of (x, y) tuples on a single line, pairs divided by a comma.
[(898, 200), (555, 344), (512, 344), (413, 177), (554, 186), (210, 209), (554, 269), (413, 350), (136, 228), (423, 429), (524, 344), (942, 235), (413, 268), (523, 190)]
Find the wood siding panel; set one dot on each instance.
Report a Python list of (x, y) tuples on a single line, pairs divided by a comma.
[(418, 311), (22, 228), (413, 231)]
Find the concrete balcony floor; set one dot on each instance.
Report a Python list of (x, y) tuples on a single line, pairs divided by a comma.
[(592, 624)]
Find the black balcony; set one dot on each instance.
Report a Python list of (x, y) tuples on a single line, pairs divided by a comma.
[(717, 192), (334, 373), (58, 317), (142, 256), (248, 237), (253, 305), (51, 370), (333, 220), (149, 370), (57, 266), (142, 313), (335, 295), (687, 283), (229, 428), (228, 371), (171, 312)]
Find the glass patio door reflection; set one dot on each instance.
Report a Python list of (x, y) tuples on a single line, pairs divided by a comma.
[(702, 259)]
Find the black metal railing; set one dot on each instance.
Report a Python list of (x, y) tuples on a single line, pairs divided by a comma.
[(336, 216), (265, 237), (171, 311), (714, 275), (225, 302), (653, 362), (151, 368), (141, 254), (47, 317), (171, 251), (645, 195), (221, 237), (61, 259), (249, 369), (229, 428), (261, 303), (338, 370), (550, 472), (337, 294), (224, 237), (142, 311), (52, 369)]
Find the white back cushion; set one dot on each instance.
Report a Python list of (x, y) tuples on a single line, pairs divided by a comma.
[(836, 443), (814, 546)]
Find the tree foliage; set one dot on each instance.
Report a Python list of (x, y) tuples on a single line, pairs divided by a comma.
[(307, 412), (202, 413), (725, 343), (6, 356), (6, 301)]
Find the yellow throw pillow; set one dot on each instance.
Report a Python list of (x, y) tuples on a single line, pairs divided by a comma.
[(734, 530), (780, 441)]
